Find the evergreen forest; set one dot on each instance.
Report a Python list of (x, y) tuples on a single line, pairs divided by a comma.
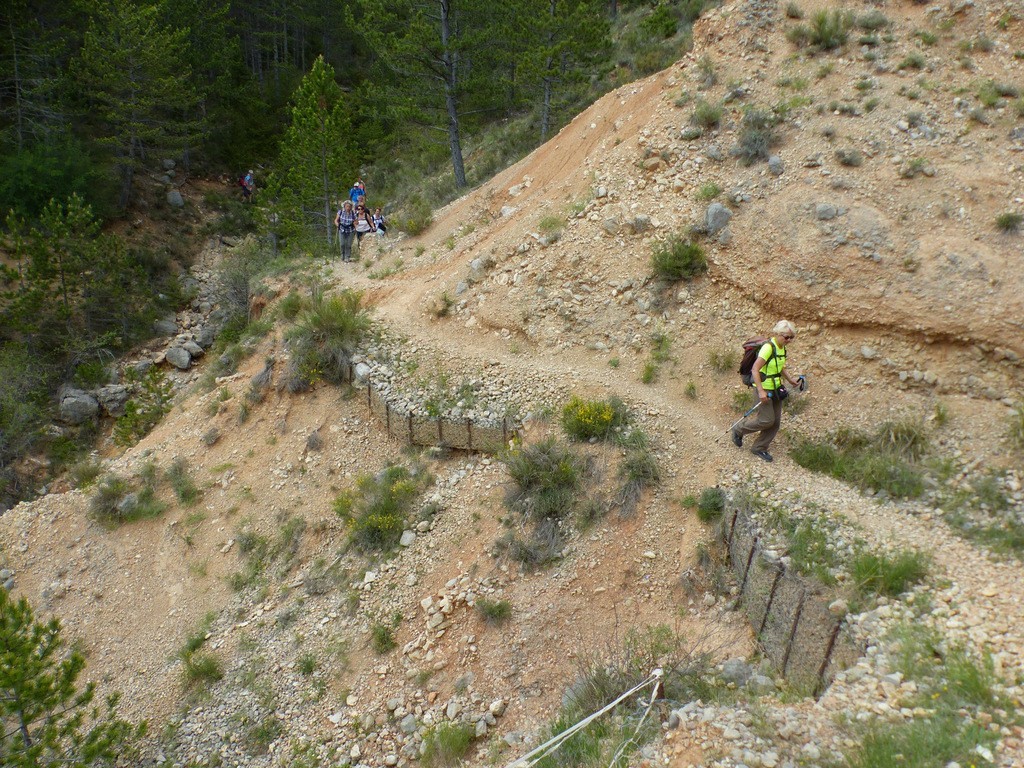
[(421, 98)]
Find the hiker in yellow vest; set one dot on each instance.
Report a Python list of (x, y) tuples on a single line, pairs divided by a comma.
[(768, 371)]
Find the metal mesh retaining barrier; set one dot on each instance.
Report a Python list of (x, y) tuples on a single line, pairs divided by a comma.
[(788, 611), (462, 434)]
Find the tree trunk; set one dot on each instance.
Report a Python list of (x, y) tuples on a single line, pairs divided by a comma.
[(20, 129), (450, 81), (613, 8)]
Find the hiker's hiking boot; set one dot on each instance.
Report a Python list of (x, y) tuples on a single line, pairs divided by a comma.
[(763, 455), (737, 439)]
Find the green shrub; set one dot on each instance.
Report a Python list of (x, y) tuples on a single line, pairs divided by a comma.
[(417, 216), (756, 137), (678, 259), (382, 639), (324, 339), (711, 504), (914, 60), (872, 20), (1009, 221), (291, 305), (941, 739), (446, 744), (708, 191), (889, 575), (586, 419), (200, 670), (547, 476), (152, 400), (884, 461), (830, 28), (706, 115), (649, 372), (793, 11), (722, 361), (379, 506), (494, 612), (550, 225), (181, 481), (661, 23)]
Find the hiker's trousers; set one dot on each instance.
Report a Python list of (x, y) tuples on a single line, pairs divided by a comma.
[(765, 420)]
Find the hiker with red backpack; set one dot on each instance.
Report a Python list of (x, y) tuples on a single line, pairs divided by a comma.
[(764, 367)]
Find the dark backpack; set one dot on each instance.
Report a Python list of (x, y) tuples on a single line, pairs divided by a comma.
[(750, 350)]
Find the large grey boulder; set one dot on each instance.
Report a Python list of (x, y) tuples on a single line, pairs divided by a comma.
[(206, 335), (174, 199), (717, 218), (166, 326), (112, 398), (77, 406), (179, 358), (193, 349)]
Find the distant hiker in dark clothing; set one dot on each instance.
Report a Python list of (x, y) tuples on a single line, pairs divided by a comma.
[(379, 224), (345, 222), (248, 187), (768, 371), (364, 224)]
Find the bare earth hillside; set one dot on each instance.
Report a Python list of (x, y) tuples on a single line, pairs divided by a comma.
[(873, 229)]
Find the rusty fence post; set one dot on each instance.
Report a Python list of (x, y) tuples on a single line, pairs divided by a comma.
[(750, 559), (771, 599), (469, 434), (369, 395), (792, 631), (732, 530), (411, 440), (829, 647), (387, 417)]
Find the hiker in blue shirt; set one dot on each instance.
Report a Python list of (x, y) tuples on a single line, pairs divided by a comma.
[(358, 190)]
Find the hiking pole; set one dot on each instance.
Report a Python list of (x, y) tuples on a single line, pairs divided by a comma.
[(741, 418)]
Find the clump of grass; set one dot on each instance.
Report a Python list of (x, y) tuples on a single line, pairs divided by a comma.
[(678, 259), (690, 390), (446, 744), (885, 461), (888, 574), (550, 225), (85, 473), (379, 506), (181, 481), (639, 469), (793, 11), (913, 60), (941, 739), (324, 338), (710, 504), (708, 191), (494, 612), (849, 157), (547, 476), (603, 674), (722, 360), (199, 670), (828, 30), (756, 137), (872, 20), (382, 639), (590, 419), (706, 115), (115, 501), (291, 305), (1009, 221)]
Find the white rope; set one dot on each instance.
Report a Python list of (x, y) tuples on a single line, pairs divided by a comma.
[(627, 742), (536, 755)]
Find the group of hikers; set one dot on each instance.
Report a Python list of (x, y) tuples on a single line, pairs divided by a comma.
[(763, 366), (354, 220)]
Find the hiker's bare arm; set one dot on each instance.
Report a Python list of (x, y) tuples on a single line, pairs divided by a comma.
[(758, 382)]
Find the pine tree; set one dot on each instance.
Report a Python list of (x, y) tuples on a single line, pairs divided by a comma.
[(316, 158), (46, 720), (436, 52), (138, 85), (563, 40)]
